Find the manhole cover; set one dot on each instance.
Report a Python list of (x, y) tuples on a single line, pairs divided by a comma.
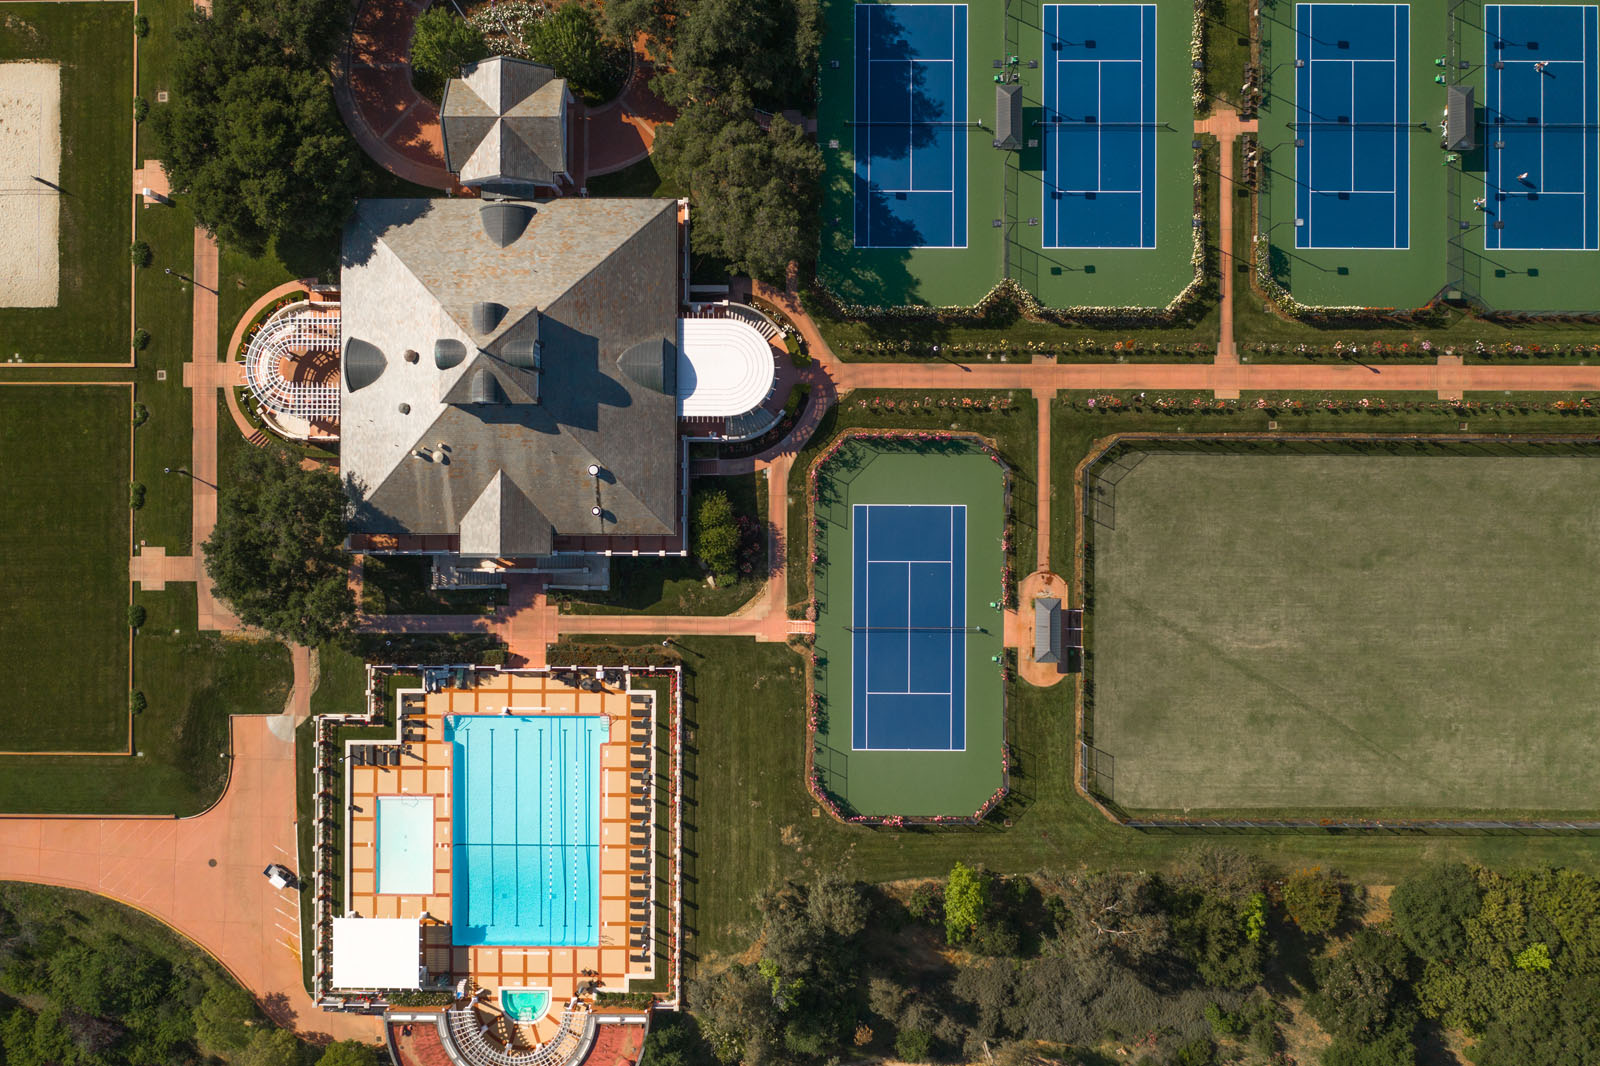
[(211, 862)]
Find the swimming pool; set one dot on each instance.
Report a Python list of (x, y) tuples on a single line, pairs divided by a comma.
[(525, 1005), (526, 865), (405, 845)]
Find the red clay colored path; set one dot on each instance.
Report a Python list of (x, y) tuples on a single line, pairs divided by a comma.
[(202, 875), (623, 132), (391, 121)]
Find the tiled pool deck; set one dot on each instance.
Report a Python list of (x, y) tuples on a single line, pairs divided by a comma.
[(627, 871)]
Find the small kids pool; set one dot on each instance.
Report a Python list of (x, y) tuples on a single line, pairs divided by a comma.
[(405, 845), (525, 1005)]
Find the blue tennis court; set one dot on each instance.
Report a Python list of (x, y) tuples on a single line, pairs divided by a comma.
[(910, 126), (1539, 115), (909, 642), (1352, 126), (1100, 126)]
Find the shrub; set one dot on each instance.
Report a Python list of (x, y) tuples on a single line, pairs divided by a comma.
[(141, 414), (913, 1045), (136, 615), (136, 702), (716, 534), (141, 339), (926, 904), (141, 26), (1313, 900), (1223, 1021), (140, 254), (136, 495), (966, 900), (141, 109)]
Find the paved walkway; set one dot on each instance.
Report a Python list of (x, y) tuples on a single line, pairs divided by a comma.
[(390, 120), (619, 134), (1226, 126), (202, 875)]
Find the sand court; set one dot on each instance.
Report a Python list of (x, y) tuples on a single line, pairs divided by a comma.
[(30, 209)]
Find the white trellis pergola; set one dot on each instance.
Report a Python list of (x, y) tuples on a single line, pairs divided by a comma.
[(295, 331)]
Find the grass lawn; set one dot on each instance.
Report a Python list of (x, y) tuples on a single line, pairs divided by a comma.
[(64, 566), (94, 45), (639, 179), (193, 682), (399, 584), (749, 821), (1392, 631), (676, 585)]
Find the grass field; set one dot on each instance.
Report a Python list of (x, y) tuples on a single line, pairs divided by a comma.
[(94, 45), (64, 567), (193, 682), (1337, 631), (913, 783)]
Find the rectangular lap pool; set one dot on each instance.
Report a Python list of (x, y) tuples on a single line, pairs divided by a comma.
[(527, 854), (405, 845)]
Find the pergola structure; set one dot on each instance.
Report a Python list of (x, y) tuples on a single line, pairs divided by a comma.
[(281, 364)]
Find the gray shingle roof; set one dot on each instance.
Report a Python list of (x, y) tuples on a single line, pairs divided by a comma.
[(1046, 629), (585, 282), (504, 121), (1008, 116)]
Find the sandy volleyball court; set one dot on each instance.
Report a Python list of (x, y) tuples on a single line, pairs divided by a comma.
[(30, 211)]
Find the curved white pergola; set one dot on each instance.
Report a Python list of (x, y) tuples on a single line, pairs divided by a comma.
[(725, 367), (299, 328)]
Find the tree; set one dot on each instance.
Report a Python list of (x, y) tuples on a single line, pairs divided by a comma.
[(1392, 1048), (224, 1017), (1119, 911), (441, 45), (715, 533), (269, 1047), (753, 192), (1361, 989), (913, 1045), (251, 132), (737, 1016), (1563, 1030), (1313, 899), (838, 906), (572, 41), (349, 1053), (1432, 907), (276, 553), (966, 901), (674, 1040), (627, 19), (765, 52)]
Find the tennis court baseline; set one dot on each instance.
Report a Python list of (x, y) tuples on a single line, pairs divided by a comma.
[(1100, 131), (908, 621), (910, 125), (1352, 125), (1539, 109)]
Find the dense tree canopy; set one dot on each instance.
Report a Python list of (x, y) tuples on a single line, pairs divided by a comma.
[(753, 191), (251, 131), (276, 553), (766, 53), (572, 40)]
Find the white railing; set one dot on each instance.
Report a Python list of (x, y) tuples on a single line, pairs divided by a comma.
[(294, 332)]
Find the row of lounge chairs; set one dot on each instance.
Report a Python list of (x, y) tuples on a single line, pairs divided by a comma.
[(375, 754)]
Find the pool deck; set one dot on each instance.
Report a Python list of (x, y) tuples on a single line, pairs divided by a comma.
[(626, 869)]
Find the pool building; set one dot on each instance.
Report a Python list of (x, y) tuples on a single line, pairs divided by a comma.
[(501, 858)]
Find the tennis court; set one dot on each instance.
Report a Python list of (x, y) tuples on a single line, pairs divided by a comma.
[(1100, 126), (1352, 125), (1539, 104), (910, 125), (908, 639)]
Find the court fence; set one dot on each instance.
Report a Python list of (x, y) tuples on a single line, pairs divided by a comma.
[(852, 452), (1110, 460)]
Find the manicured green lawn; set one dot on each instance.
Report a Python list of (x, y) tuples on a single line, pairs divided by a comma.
[(193, 682), (64, 567), (640, 179), (1285, 628), (399, 584), (749, 822), (94, 45), (677, 585)]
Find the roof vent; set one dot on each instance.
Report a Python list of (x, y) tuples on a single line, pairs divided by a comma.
[(405, 408), (504, 222), (485, 389), (363, 364), (448, 353), (521, 354), (411, 355), (486, 315)]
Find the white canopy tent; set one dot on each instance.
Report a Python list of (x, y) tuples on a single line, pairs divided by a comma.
[(377, 953)]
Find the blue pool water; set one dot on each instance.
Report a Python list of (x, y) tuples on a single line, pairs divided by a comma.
[(526, 865), (405, 845), (525, 1004)]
